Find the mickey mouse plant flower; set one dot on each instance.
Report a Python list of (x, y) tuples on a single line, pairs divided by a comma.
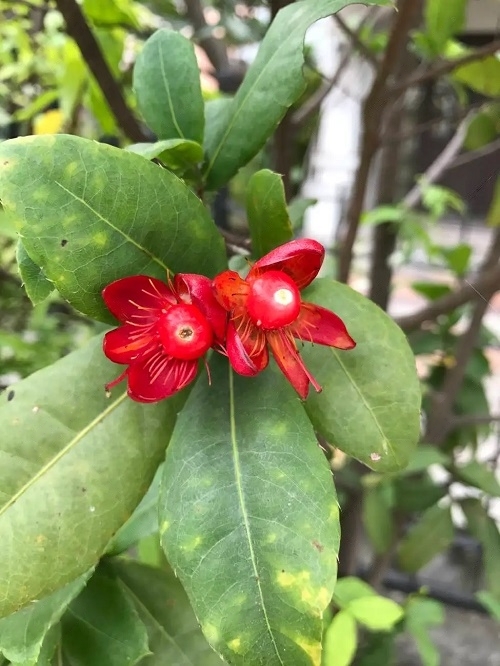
[(266, 309), (165, 330)]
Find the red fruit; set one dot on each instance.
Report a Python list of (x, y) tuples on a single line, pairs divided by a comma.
[(273, 300), (184, 332)]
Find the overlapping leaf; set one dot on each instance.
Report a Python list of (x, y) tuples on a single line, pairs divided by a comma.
[(272, 84), (162, 605), (370, 403), (89, 213), (168, 88), (73, 466), (249, 519)]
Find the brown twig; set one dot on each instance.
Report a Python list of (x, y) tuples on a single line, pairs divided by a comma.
[(442, 162), (467, 420), (487, 280), (472, 155), (373, 114), (442, 68), (78, 29), (213, 47), (314, 102), (355, 35), (440, 416)]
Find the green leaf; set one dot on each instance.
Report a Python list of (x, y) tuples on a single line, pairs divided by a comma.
[(268, 218), (249, 519), (370, 403), (482, 130), (420, 614), (417, 494), (168, 88), (272, 84), (490, 602), (296, 210), (35, 283), (423, 457), (377, 518), (423, 611), (482, 75), (142, 523), (383, 214), (457, 258), (430, 536), (493, 217), (375, 612), (176, 154), (111, 13), (480, 476), (174, 634), (350, 588), (74, 466), (443, 20), (484, 529), (102, 627), (431, 290), (22, 633), (89, 213), (341, 640)]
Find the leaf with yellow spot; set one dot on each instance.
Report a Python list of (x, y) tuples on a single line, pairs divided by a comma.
[(265, 569), (89, 213)]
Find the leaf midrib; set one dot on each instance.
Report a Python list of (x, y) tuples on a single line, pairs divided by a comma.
[(251, 90), (60, 454), (115, 228), (378, 425), (244, 512), (156, 622)]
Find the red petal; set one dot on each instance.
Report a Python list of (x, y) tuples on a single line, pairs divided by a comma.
[(138, 298), (230, 290), (290, 363), (316, 324), (239, 353), (300, 259), (127, 343), (197, 289), (159, 376)]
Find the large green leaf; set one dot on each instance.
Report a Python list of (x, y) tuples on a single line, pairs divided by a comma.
[(272, 84), (268, 219), (370, 403), (89, 213), (249, 519), (429, 537), (174, 633), (168, 88), (74, 464), (102, 627), (22, 633)]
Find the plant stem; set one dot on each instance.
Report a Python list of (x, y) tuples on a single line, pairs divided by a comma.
[(373, 114)]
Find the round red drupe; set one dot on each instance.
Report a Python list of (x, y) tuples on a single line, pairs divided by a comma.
[(184, 332), (273, 301)]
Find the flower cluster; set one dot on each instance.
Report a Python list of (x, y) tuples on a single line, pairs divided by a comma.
[(167, 328)]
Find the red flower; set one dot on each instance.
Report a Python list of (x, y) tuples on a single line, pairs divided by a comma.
[(266, 308), (165, 330)]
